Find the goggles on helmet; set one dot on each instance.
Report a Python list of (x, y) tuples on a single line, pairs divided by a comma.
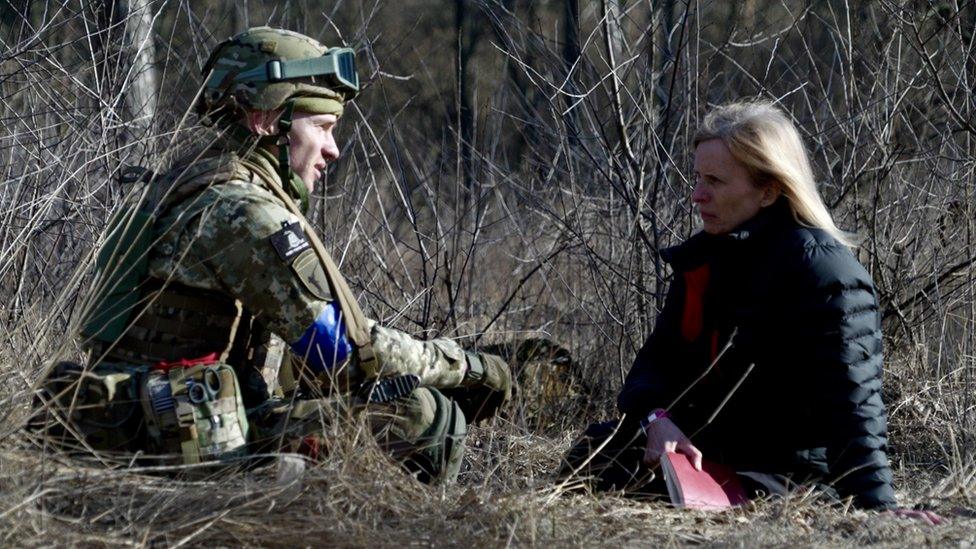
[(337, 67)]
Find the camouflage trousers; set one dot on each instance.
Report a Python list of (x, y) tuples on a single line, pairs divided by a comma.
[(424, 431)]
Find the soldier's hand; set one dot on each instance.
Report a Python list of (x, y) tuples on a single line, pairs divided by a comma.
[(498, 376), (664, 436), (487, 387)]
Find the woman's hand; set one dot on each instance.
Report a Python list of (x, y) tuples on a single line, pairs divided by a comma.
[(664, 436), (925, 516)]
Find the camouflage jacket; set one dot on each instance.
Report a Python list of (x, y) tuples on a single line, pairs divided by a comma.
[(220, 238)]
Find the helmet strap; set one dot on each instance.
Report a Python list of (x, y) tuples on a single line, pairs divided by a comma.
[(288, 178)]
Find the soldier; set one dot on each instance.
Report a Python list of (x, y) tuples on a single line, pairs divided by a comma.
[(205, 282)]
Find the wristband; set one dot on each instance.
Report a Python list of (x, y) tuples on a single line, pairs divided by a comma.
[(655, 415)]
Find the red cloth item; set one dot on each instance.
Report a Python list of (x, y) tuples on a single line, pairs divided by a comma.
[(310, 448), (692, 317), (212, 358)]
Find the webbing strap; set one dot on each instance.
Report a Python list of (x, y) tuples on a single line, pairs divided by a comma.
[(192, 328), (357, 329), (475, 374), (196, 304), (223, 435), (190, 447), (284, 164), (189, 443), (284, 126), (150, 351), (225, 405)]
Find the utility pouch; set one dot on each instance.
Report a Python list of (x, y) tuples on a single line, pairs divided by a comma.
[(87, 409), (195, 413)]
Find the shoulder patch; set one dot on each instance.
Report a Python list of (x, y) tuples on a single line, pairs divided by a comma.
[(289, 241), (309, 271)]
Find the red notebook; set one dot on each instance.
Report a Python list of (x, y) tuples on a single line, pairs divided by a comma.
[(713, 488)]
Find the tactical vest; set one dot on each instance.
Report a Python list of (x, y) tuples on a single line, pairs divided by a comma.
[(177, 322), (139, 319), (160, 343)]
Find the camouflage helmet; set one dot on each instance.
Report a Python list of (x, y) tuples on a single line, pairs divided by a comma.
[(263, 67)]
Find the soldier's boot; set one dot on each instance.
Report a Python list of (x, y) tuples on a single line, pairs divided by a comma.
[(81, 409), (486, 386)]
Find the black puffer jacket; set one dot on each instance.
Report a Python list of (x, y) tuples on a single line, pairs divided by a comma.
[(799, 307)]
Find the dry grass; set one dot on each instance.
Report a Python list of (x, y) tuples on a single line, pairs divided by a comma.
[(505, 496)]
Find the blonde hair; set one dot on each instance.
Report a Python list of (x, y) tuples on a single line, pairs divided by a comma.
[(767, 143)]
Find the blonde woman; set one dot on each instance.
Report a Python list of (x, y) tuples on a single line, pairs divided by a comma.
[(767, 356)]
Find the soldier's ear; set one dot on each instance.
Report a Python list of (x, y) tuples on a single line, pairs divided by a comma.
[(262, 122)]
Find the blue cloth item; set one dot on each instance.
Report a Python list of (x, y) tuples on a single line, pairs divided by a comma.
[(324, 344)]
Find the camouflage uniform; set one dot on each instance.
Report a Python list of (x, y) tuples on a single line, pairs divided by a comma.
[(219, 281), (219, 241)]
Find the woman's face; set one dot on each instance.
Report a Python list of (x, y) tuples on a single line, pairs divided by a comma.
[(725, 193)]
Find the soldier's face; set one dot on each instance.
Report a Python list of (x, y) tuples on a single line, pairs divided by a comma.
[(313, 145)]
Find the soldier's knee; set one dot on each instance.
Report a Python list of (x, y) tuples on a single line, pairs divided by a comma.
[(440, 445)]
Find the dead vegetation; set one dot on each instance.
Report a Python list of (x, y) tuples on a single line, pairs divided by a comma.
[(509, 175)]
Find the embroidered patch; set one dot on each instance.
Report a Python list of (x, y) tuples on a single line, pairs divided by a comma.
[(309, 271), (289, 241)]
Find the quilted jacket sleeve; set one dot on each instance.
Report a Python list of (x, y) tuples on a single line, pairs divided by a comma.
[(843, 352), (648, 384)]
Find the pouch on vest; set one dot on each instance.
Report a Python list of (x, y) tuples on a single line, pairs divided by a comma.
[(121, 266), (88, 409), (195, 413)]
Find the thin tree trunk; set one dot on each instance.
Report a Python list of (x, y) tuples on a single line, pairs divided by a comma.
[(463, 48), (571, 58), (142, 85), (662, 16), (614, 42)]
